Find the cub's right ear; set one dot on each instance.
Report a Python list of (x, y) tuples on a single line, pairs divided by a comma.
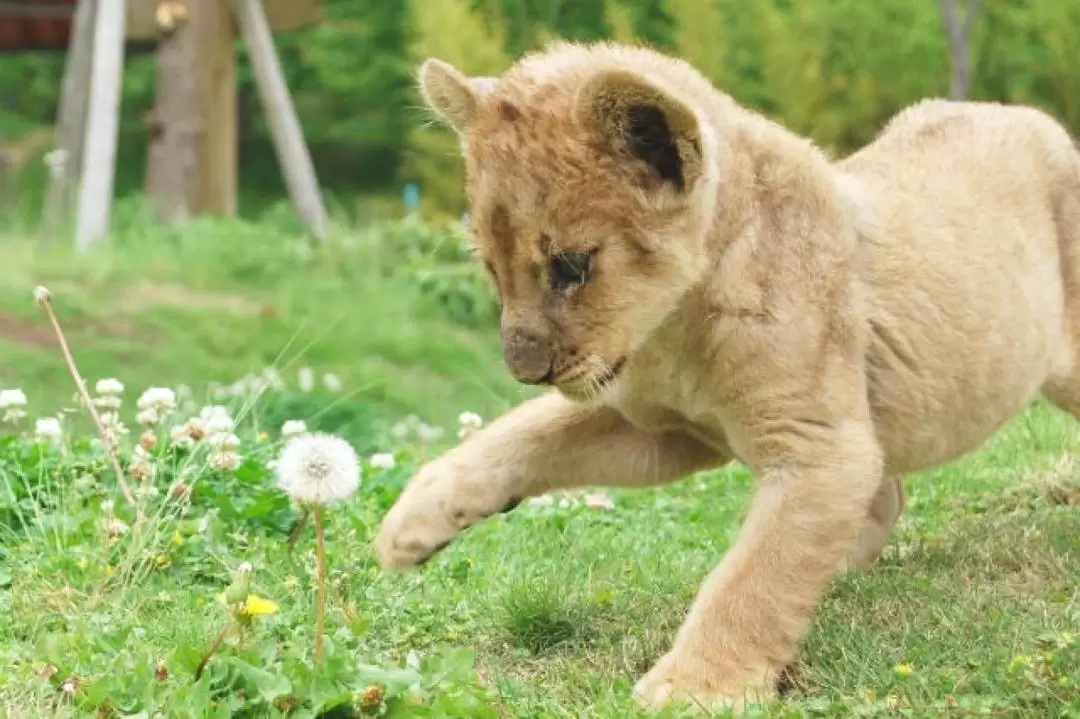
[(451, 94)]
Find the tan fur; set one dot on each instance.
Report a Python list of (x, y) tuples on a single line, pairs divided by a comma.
[(830, 325)]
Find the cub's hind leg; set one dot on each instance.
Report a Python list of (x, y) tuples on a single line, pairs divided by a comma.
[(885, 510), (1064, 391)]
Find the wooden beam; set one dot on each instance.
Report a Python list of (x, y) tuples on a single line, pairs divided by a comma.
[(285, 131), (103, 120), (70, 125), (216, 169)]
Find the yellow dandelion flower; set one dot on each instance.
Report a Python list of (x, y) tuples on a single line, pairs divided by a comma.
[(161, 560), (1020, 660), (263, 436), (108, 570), (903, 670), (256, 606), (177, 539)]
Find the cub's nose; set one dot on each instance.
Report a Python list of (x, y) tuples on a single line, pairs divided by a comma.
[(528, 356)]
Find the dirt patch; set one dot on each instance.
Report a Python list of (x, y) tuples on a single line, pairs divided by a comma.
[(26, 333), (147, 295)]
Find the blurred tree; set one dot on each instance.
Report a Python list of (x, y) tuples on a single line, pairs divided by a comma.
[(958, 30)]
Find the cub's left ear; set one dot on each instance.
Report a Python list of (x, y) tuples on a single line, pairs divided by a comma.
[(637, 118), (451, 94)]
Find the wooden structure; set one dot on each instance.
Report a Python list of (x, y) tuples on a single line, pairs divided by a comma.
[(192, 162)]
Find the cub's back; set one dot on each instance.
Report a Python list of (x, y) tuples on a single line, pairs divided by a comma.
[(955, 207)]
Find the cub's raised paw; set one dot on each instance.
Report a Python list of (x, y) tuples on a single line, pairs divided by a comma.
[(439, 502), (689, 681)]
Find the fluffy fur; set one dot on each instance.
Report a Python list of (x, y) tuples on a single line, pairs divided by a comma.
[(700, 285)]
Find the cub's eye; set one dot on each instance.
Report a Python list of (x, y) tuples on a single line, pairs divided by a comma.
[(569, 269)]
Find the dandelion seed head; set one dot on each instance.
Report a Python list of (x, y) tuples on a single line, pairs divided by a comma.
[(318, 469), (42, 295)]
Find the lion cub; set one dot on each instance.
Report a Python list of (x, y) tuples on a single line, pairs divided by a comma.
[(700, 285)]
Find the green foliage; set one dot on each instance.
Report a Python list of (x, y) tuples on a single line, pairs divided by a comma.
[(832, 69)]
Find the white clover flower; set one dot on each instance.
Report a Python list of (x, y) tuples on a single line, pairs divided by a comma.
[(12, 398), (48, 430), (471, 420), (12, 401), (215, 421), (306, 379), (182, 436), (114, 526), (384, 460), (293, 428), (468, 423), (109, 402), (225, 461), (146, 491), (148, 417), (318, 469), (428, 433), (331, 382), (244, 568), (223, 441), (109, 385), (42, 295), (154, 404), (114, 428)]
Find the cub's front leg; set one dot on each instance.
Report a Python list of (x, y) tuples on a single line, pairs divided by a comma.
[(546, 443), (816, 481)]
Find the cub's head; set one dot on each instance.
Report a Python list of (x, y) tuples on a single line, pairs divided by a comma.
[(591, 188)]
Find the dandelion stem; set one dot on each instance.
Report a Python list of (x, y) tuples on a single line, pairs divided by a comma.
[(299, 527), (80, 385), (213, 650), (320, 599)]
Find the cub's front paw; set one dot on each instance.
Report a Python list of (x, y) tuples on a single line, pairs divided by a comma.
[(683, 678), (444, 498)]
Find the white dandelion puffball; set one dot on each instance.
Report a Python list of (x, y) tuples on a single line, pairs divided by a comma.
[(384, 460), (48, 430), (12, 398), (293, 428), (318, 469), (109, 385)]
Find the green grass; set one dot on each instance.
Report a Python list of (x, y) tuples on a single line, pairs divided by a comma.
[(549, 611)]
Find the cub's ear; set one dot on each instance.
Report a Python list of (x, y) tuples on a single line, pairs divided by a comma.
[(634, 117), (450, 93)]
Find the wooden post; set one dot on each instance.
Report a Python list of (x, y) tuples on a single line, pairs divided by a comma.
[(99, 155), (71, 124), (285, 129), (176, 122), (216, 173)]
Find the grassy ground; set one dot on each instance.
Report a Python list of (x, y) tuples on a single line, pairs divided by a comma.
[(550, 611)]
